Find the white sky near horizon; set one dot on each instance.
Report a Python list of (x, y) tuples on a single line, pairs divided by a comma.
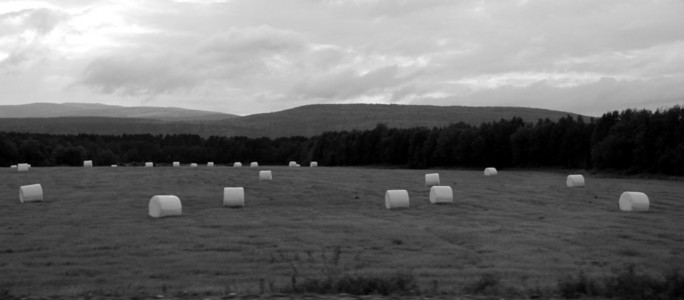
[(252, 56)]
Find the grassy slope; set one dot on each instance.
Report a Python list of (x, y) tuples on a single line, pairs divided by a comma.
[(94, 232)]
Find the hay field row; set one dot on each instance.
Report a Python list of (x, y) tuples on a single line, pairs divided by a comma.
[(93, 231)]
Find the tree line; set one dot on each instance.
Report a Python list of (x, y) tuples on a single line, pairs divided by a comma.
[(631, 141)]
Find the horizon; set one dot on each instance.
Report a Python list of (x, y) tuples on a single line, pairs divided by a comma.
[(314, 104), (247, 57)]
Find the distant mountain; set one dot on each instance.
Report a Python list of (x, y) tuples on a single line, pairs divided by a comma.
[(55, 110), (301, 121)]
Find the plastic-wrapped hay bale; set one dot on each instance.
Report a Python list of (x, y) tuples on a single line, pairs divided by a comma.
[(396, 199), (193, 165), (254, 164), (149, 164), (441, 194), (176, 164), (265, 175), (575, 181), (234, 196), (13, 166), (88, 163), (237, 164), (293, 164), (634, 201), (164, 206), (114, 166), (30, 193), (23, 167), (431, 179), (210, 164), (490, 171), (313, 164)]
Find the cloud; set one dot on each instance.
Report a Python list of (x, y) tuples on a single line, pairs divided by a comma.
[(41, 20), (236, 54), (138, 75)]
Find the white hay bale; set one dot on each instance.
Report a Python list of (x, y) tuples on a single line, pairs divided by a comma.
[(210, 164), (234, 196), (114, 166), (313, 164), (193, 165), (149, 164), (265, 175), (237, 164), (634, 201), (88, 163), (431, 179), (254, 164), (13, 166), (30, 193), (441, 194), (575, 181), (176, 164), (164, 206), (396, 199), (490, 171), (23, 167), (293, 164)]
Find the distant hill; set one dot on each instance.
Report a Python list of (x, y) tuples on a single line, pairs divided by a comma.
[(301, 121), (313, 119), (55, 110)]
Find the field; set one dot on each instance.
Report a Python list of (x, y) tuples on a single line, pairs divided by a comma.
[(524, 228)]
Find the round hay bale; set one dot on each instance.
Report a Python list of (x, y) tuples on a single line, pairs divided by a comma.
[(23, 167), (441, 194), (396, 199), (164, 206), (313, 164), (265, 175), (149, 164), (114, 166), (575, 181), (254, 164), (88, 163), (210, 164), (237, 164), (634, 201), (490, 171), (30, 193), (13, 166), (234, 197), (431, 179), (176, 164), (293, 164), (193, 165)]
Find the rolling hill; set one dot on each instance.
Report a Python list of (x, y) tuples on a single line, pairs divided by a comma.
[(301, 121), (314, 119)]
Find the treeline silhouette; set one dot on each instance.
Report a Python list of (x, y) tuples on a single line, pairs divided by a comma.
[(631, 141)]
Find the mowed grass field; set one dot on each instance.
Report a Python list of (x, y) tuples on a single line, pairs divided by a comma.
[(93, 232)]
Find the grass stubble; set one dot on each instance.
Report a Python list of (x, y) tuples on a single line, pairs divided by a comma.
[(517, 233)]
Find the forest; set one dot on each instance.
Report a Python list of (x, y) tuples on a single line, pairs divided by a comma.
[(629, 142)]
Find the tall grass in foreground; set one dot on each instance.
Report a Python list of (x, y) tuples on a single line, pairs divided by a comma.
[(625, 284)]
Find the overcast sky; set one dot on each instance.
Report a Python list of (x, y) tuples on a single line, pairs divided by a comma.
[(252, 56)]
